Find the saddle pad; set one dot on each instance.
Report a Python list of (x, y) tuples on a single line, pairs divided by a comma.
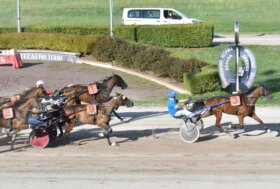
[(92, 89), (92, 109), (235, 100), (8, 113)]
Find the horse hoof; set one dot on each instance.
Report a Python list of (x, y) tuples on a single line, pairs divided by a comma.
[(233, 135), (268, 130), (101, 134), (114, 144)]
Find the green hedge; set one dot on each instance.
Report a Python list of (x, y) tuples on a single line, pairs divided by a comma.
[(144, 58), (188, 35), (61, 42), (8, 30), (202, 82), (69, 29), (181, 35)]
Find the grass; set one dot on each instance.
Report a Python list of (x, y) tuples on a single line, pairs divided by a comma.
[(255, 16)]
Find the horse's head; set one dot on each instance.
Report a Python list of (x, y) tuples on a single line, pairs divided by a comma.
[(265, 92), (123, 100), (119, 81)]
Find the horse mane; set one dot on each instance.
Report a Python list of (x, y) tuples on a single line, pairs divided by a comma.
[(249, 91), (20, 102), (26, 92)]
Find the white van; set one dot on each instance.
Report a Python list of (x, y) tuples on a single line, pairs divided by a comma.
[(155, 16)]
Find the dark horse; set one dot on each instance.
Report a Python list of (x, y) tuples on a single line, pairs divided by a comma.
[(101, 119), (80, 92), (247, 107), (20, 109)]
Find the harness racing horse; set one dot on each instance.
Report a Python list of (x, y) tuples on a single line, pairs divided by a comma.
[(18, 121), (79, 93), (101, 118), (247, 107), (33, 92)]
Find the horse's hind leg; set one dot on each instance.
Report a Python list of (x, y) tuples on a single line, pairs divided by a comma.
[(69, 128), (255, 117), (14, 135)]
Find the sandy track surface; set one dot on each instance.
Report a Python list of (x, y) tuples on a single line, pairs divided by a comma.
[(150, 153)]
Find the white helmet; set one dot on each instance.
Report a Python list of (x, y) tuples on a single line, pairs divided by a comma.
[(40, 82)]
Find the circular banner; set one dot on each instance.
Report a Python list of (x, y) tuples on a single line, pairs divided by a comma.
[(246, 71)]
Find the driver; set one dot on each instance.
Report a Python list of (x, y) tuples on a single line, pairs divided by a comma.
[(175, 106), (40, 83)]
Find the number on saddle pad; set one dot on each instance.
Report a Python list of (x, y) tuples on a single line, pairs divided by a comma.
[(235, 100), (8, 113), (92, 109), (92, 89)]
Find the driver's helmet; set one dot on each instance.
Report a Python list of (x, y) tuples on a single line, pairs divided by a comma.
[(39, 83), (172, 94)]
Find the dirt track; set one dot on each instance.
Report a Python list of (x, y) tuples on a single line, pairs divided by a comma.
[(150, 152)]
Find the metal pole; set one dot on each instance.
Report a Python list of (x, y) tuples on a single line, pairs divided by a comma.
[(236, 30), (18, 16), (111, 18)]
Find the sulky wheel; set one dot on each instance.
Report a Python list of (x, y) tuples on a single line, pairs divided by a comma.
[(198, 122), (39, 138), (189, 132)]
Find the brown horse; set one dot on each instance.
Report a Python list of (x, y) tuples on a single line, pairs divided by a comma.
[(80, 92), (17, 123), (33, 92), (220, 105), (101, 119)]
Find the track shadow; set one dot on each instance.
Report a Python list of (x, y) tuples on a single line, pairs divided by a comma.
[(247, 131), (27, 65), (21, 143), (86, 135), (134, 116)]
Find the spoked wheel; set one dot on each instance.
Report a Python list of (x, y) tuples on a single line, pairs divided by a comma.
[(189, 132), (39, 138), (198, 122)]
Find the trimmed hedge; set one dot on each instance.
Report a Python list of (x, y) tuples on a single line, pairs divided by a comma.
[(8, 30), (181, 35), (144, 58), (61, 42), (69, 29), (202, 82), (187, 35)]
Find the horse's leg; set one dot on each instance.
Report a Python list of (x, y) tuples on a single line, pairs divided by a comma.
[(69, 127), (117, 115), (218, 115), (108, 130), (241, 121), (255, 117), (14, 135)]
